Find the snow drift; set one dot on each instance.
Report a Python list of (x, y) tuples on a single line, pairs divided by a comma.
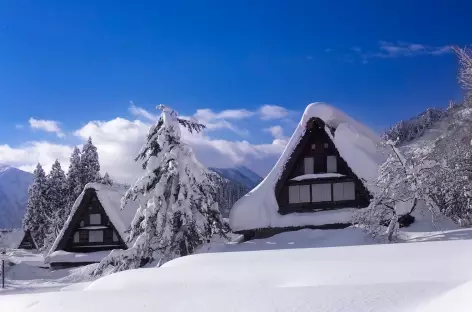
[(357, 145)]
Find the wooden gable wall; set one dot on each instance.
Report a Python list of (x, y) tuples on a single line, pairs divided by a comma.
[(317, 145), (27, 242), (90, 228)]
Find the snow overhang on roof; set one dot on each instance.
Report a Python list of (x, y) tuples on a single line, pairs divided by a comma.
[(357, 145)]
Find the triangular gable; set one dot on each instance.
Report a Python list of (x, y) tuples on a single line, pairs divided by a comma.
[(89, 196), (317, 133), (28, 241)]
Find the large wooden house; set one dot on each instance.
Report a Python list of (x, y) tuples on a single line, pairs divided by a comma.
[(319, 181), (96, 225)]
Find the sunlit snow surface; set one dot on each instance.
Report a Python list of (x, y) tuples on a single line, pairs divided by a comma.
[(288, 272)]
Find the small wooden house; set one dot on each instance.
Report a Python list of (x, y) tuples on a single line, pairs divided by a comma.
[(17, 239), (319, 181), (96, 225)]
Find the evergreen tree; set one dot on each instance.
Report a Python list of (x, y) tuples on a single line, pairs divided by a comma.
[(178, 211), (56, 193), (35, 216), (74, 180), (106, 179), (89, 163)]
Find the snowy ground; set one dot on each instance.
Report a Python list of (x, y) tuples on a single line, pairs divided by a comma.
[(383, 277), (293, 271)]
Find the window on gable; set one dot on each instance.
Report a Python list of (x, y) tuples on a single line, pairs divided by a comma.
[(76, 237), (95, 219), (83, 236), (115, 237), (96, 236), (293, 194), (326, 145), (313, 146), (331, 164), (321, 192), (299, 194), (344, 191), (309, 165)]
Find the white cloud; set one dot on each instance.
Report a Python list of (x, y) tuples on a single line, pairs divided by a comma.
[(278, 134), (276, 131), (27, 156), (208, 114), (46, 125), (141, 112), (401, 49), (119, 140), (269, 112)]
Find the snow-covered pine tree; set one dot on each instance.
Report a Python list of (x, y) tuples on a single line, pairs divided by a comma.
[(106, 180), (74, 180), (35, 217), (56, 193), (178, 211), (89, 163), (402, 184)]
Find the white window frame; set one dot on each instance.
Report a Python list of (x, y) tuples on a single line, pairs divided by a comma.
[(331, 164), (96, 236), (344, 191), (308, 165), (293, 194), (94, 218), (304, 196), (321, 192)]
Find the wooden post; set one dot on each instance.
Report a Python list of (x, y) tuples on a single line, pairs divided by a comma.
[(3, 273)]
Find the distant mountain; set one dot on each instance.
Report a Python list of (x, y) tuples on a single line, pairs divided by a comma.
[(239, 174), (233, 184), (14, 184)]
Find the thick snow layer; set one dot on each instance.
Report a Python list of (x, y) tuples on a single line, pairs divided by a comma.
[(313, 176), (356, 143), (110, 199), (393, 277), (74, 257)]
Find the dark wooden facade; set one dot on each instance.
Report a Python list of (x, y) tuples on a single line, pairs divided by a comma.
[(317, 154), (90, 228), (27, 242)]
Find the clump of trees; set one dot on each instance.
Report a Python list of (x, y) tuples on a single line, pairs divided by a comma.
[(51, 196)]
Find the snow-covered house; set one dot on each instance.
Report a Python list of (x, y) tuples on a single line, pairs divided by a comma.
[(320, 180), (96, 225), (17, 239)]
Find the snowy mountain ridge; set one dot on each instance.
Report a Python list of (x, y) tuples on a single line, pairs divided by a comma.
[(14, 184), (239, 174)]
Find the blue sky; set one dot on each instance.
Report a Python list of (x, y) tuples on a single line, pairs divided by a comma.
[(74, 62)]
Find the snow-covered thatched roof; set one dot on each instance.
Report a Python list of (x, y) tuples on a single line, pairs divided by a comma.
[(110, 199), (357, 145)]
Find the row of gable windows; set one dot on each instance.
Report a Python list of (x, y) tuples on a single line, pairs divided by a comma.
[(95, 236), (309, 164), (324, 192)]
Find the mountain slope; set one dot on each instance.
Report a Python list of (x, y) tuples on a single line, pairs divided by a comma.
[(233, 183), (240, 175), (14, 185)]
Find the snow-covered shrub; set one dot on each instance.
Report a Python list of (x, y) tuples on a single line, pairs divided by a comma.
[(402, 184)]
